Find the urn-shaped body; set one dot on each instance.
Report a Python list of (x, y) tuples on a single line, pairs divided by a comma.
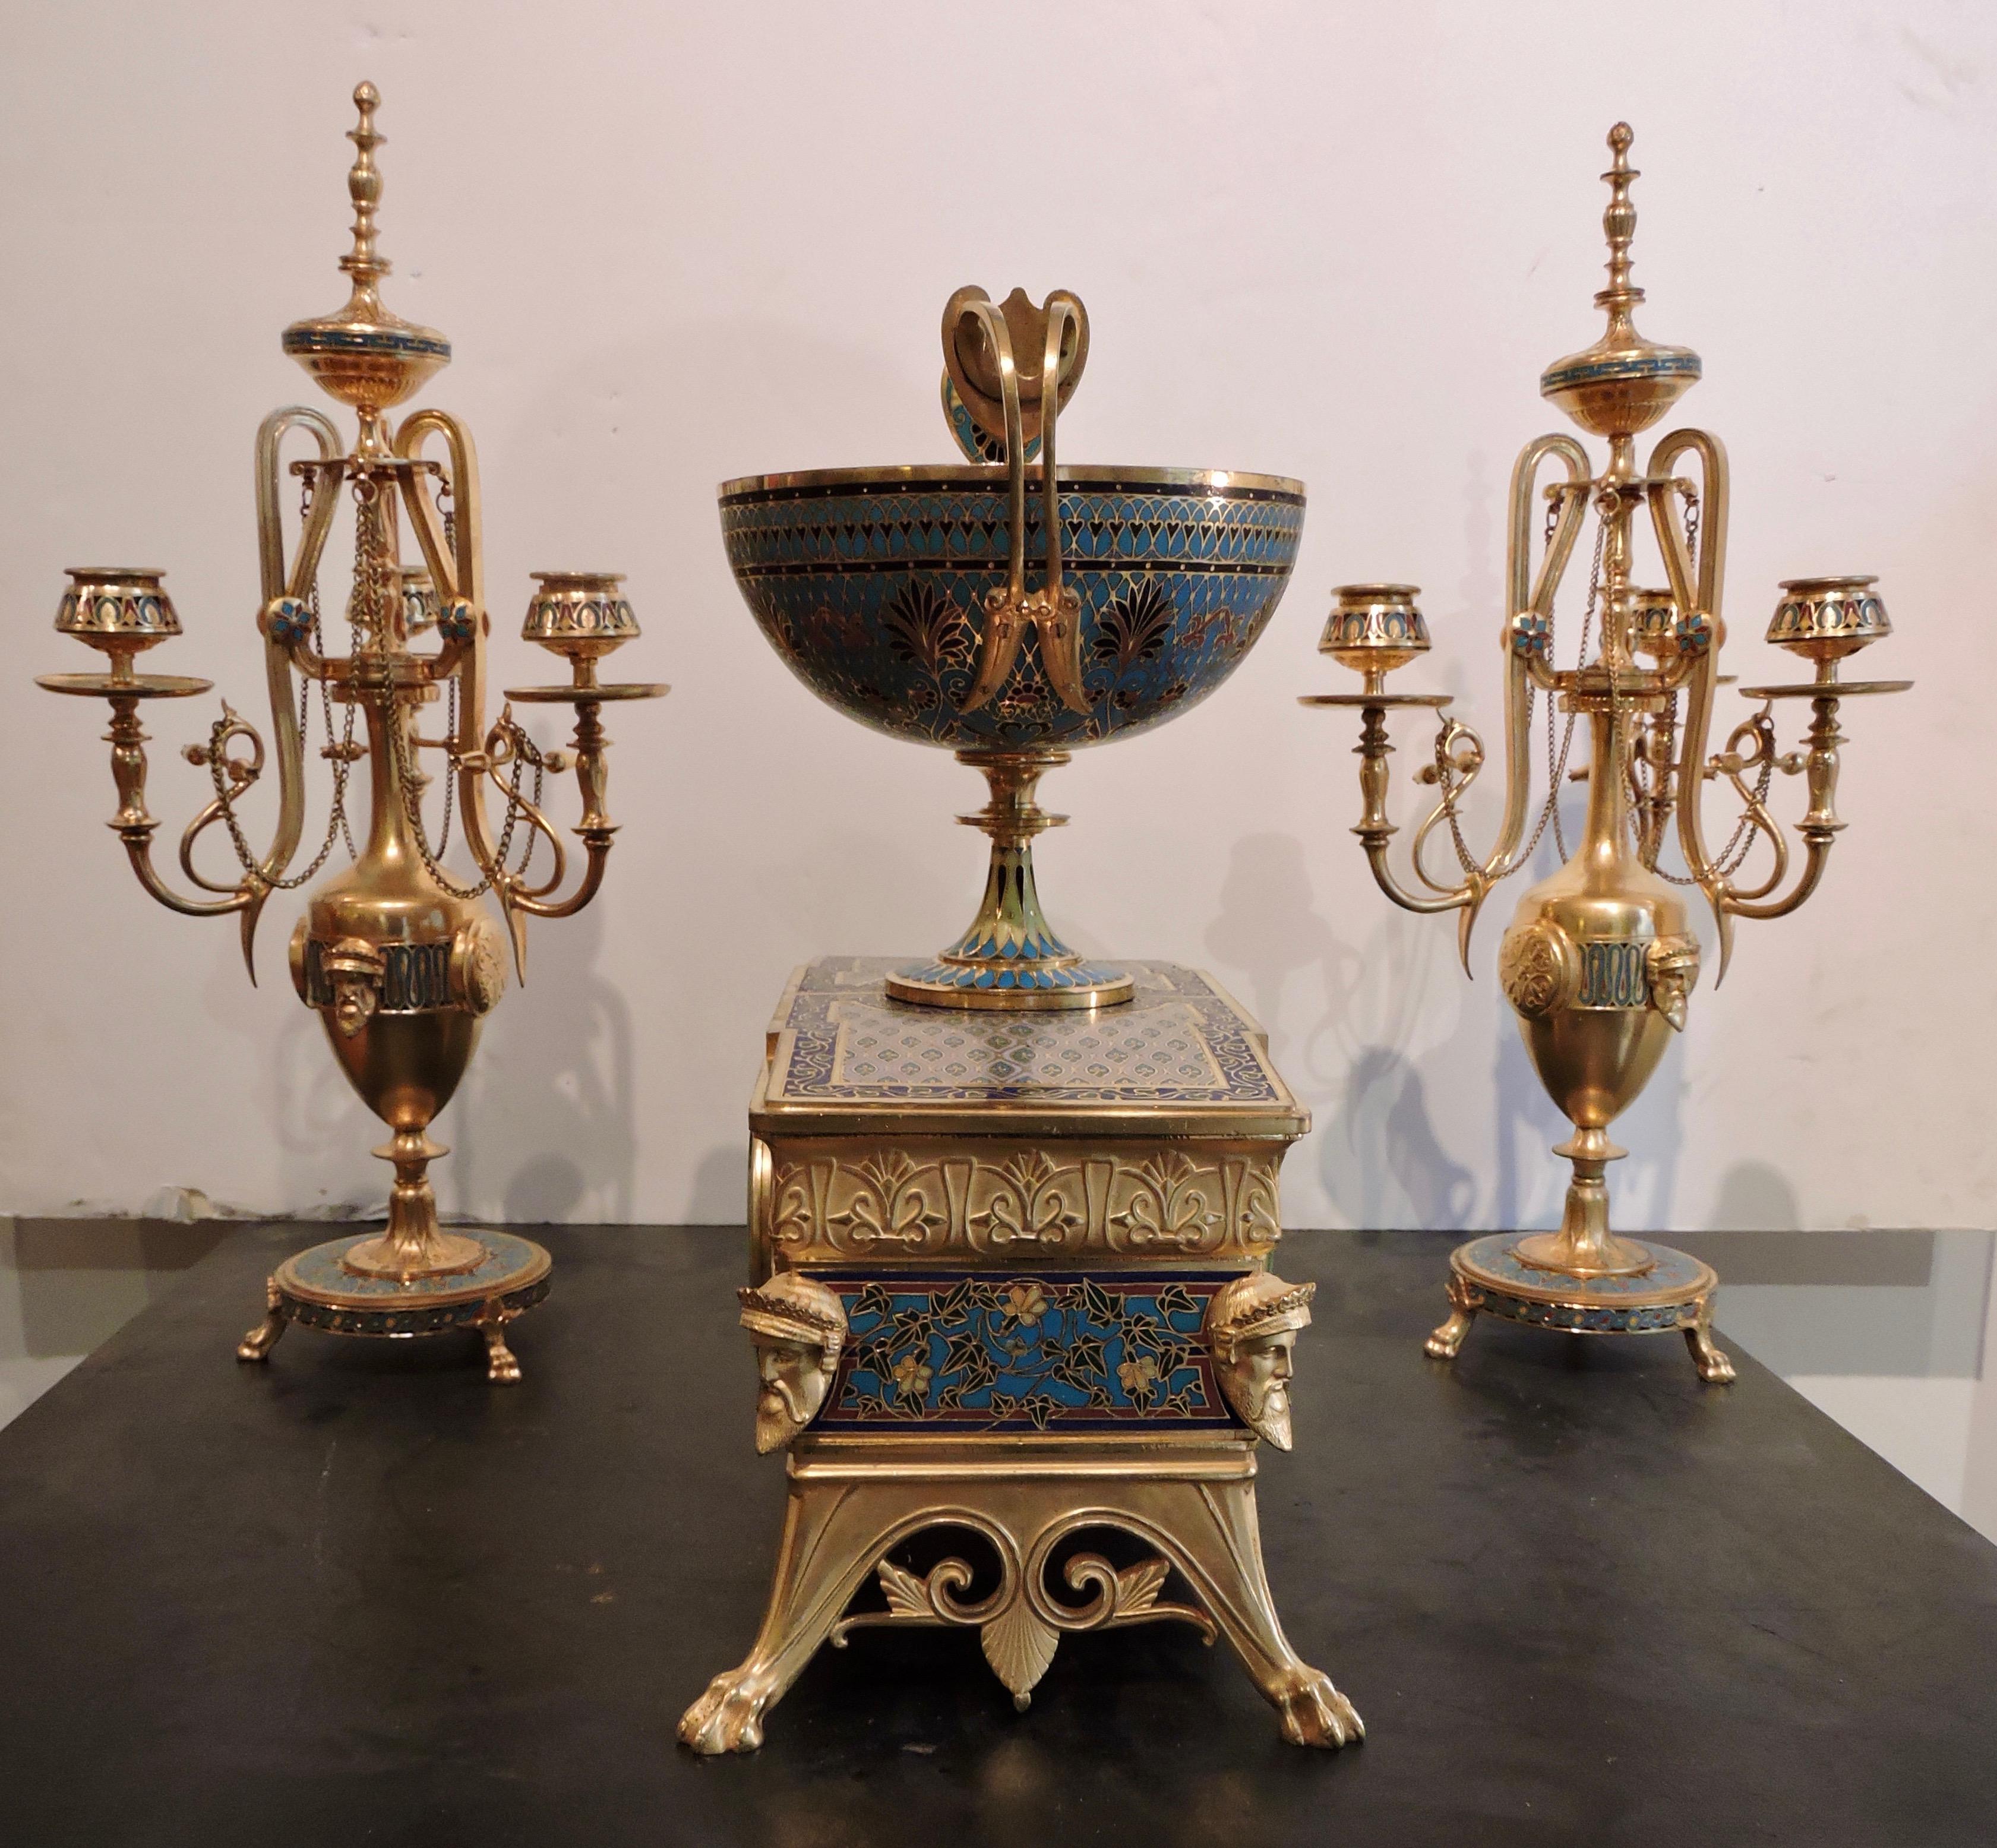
[(1598, 963), (401, 971)]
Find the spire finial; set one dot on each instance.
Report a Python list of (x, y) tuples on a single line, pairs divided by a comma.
[(364, 187), (1618, 225), (1623, 383), (362, 354)]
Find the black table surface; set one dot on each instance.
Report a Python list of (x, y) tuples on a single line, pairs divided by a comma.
[(363, 1597)]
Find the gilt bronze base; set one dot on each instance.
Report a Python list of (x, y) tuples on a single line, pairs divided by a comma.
[(1673, 1291), (317, 1288), (851, 1507)]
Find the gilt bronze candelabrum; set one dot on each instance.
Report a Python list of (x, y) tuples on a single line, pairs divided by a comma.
[(400, 960), (1599, 962)]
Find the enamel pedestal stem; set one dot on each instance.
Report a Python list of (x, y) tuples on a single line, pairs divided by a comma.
[(1599, 961), (1010, 957)]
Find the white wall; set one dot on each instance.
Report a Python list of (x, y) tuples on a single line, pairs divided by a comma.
[(676, 244)]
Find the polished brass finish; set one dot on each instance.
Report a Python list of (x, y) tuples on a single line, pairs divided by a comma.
[(401, 961), (1037, 1167), (1599, 962)]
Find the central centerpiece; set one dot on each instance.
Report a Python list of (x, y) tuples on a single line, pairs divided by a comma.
[(1010, 1295), (900, 595)]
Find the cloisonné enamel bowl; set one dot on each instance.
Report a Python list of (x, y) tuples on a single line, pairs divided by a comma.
[(871, 584)]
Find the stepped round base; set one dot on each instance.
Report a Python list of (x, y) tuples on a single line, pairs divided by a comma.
[(316, 1289), (1673, 1294), (1021, 986)]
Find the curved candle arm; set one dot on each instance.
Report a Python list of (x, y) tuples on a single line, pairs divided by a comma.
[(1819, 829), (288, 743), (456, 568), (1700, 598)]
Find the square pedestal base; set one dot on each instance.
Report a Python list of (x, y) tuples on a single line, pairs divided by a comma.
[(1021, 1255)]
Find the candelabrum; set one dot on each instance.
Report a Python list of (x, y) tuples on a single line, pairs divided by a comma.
[(1599, 962), (399, 958)]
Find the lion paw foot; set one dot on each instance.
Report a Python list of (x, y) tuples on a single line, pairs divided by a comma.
[(728, 1717), (1315, 1713)]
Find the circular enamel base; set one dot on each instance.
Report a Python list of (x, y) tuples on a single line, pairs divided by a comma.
[(1023, 987), (1665, 1298), (1673, 1293), (315, 1291)]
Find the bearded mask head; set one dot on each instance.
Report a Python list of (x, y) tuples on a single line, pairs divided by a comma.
[(1672, 963), (799, 1326), (1251, 1328), (354, 969)]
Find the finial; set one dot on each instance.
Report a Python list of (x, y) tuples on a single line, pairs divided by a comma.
[(364, 187), (1618, 225), (1623, 383), (362, 354)]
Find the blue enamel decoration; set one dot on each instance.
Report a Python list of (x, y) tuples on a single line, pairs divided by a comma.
[(871, 584)]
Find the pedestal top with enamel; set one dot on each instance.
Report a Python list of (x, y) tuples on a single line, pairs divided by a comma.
[(1182, 1057)]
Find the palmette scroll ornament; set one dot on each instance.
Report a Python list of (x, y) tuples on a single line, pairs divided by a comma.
[(1599, 963), (399, 958)]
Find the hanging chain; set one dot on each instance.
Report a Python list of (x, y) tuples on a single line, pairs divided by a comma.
[(369, 615), (1556, 764), (526, 754), (1734, 854)]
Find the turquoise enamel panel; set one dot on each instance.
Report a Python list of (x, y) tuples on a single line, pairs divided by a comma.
[(938, 1350)]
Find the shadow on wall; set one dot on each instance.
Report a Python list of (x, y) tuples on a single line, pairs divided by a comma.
[(1382, 1159), (548, 1133), (1753, 1197), (323, 1131), (721, 1186)]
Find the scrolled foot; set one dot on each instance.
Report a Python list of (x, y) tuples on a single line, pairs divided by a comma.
[(1446, 1341), (1715, 1367), (728, 1717), (257, 1345), (1314, 1712)]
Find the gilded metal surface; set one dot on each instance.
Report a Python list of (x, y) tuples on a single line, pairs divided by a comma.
[(850, 1507), (943, 1199), (905, 597), (401, 961), (320, 1288), (1009, 1280), (1599, 963)]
